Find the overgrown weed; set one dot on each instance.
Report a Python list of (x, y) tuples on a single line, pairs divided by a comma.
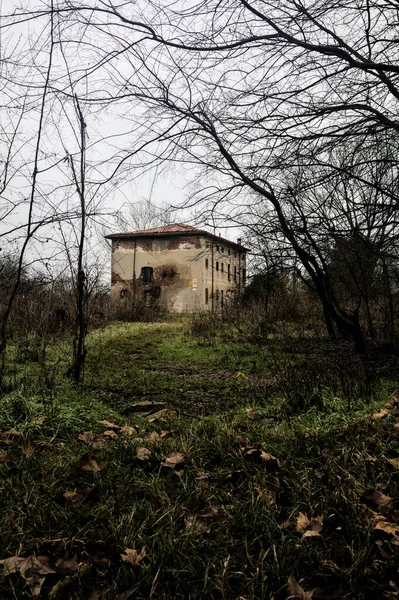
[(222, 523)]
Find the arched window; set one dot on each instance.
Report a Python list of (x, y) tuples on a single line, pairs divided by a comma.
[(146, 275)]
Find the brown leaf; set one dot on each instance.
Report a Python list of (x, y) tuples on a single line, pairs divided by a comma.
[(174, 459), (377, 500), (11, 565), (67, 565), (128, 430), (383, 413), (396, 427), (110, 433), (109, 425), (10, 436), (296, 591), (382, 524), (78, 498), (311, 533), (269, 459), (260, 456), (33, 569), (367, 458), (39, 420), (28, 448), (153, 438), (143, 453), (393, 461), (310, 527), (94, 441), (197, 525), (4, 457), (239, 439), (302, 522), (133, 557), (87, 437), (393, 403), (163, 415), (91, 464)]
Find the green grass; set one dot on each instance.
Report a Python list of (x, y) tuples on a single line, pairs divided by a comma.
[(223, 524)]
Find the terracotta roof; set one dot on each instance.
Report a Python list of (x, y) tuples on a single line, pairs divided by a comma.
[(174, 229)]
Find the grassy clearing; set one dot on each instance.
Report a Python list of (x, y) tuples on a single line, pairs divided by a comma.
[(223, 522)]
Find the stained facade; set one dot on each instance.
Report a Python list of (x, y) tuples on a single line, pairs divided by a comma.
[(177, 267)]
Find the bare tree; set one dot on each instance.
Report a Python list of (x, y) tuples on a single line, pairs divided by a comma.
[(269, 99)]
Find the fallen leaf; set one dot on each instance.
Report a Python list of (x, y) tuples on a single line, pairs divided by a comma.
[(239, 439), (383, 413), (4, 457), (28, 448), (10, 436), (174, 459), (393, 461), (310, 527), (202, 475), (39, 420), (156, 437), (296, 591), (382, 524), (396, 427), (302, 522), (94, 441), (377, 500), (67, 565), (143, 453), (77, 498), (110, 433), (91, 464), (133, 557), (109, 425), (11, 565), (311, 533), (33, 569), (128, 430), (393, 403), (87, 437), (163, 415), (197, 525), (259, 455)]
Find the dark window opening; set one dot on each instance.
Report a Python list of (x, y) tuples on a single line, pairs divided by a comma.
[(206, 263), (235, 273), (229, 251), (235, 254), (243, 276), (217, 296), (222, 249), (228, 272), (146, 275), (217, 248), (222, 297), (206, 295), (222, 267), (217, 266)]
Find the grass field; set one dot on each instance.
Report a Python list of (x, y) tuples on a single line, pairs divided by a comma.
[(182, 468)]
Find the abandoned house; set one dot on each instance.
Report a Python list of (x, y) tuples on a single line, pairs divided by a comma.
[(177, 267)]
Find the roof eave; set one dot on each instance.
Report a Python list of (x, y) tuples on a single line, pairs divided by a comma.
[(198, 233)]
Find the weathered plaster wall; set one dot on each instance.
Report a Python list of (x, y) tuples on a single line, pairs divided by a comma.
[(176, 261)]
